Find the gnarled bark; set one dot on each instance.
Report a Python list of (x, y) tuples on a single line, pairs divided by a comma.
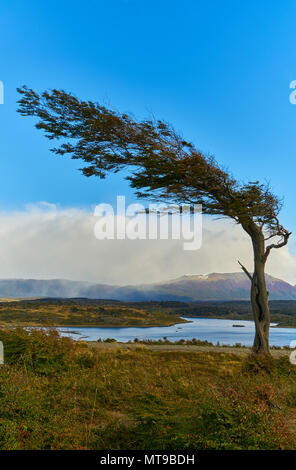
[(259, 294), (259, 299)]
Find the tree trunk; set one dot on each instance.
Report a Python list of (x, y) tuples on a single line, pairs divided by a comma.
[(259, 299), (259, 296)]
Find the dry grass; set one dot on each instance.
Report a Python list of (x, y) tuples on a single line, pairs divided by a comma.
[(81, 313), (58, 394)]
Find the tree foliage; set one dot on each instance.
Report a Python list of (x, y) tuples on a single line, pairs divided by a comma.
[(163, 166)]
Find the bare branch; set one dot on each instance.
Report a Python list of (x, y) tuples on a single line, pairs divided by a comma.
[(271, 236), (245, 271), (285, 235)]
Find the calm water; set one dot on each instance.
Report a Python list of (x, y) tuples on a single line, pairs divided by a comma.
[(200, 328)]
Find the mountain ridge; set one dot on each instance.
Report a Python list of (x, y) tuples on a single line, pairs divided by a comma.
[(189, 288)]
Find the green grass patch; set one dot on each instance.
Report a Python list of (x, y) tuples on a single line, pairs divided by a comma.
[(59, 394)]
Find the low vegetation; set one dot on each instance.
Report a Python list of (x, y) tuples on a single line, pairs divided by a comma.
[(60, 394), (112, 313), (191, 342), (283, 312), (83, 312)]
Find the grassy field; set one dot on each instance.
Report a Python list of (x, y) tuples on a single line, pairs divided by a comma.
[(100, 313), (61, 394)]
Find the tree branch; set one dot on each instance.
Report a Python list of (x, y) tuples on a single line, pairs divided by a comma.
[(245, 270), (285, 234)]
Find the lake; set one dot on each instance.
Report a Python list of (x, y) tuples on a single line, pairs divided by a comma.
[(208, 329)]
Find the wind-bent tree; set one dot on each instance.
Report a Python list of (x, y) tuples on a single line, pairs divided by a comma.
[(163, 166)]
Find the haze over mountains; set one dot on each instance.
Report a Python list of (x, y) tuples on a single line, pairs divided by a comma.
[(214, 286)]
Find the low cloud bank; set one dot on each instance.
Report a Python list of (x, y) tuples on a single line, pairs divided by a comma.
[(45, 242)]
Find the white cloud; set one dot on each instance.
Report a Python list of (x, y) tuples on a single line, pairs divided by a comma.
[(46, 242)]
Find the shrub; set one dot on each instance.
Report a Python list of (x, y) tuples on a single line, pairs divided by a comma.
[(266, 364), (43, 351)]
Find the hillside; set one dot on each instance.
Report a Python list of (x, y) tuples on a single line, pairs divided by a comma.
[(214, 286), (80, 312)]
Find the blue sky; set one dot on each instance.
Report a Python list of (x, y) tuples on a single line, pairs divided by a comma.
[(219, 71)]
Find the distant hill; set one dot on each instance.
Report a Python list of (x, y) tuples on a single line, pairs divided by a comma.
[(215, 286)]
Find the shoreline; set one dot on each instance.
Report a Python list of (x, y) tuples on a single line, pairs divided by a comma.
[(190, 348), (34, 325), (173, 323)]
